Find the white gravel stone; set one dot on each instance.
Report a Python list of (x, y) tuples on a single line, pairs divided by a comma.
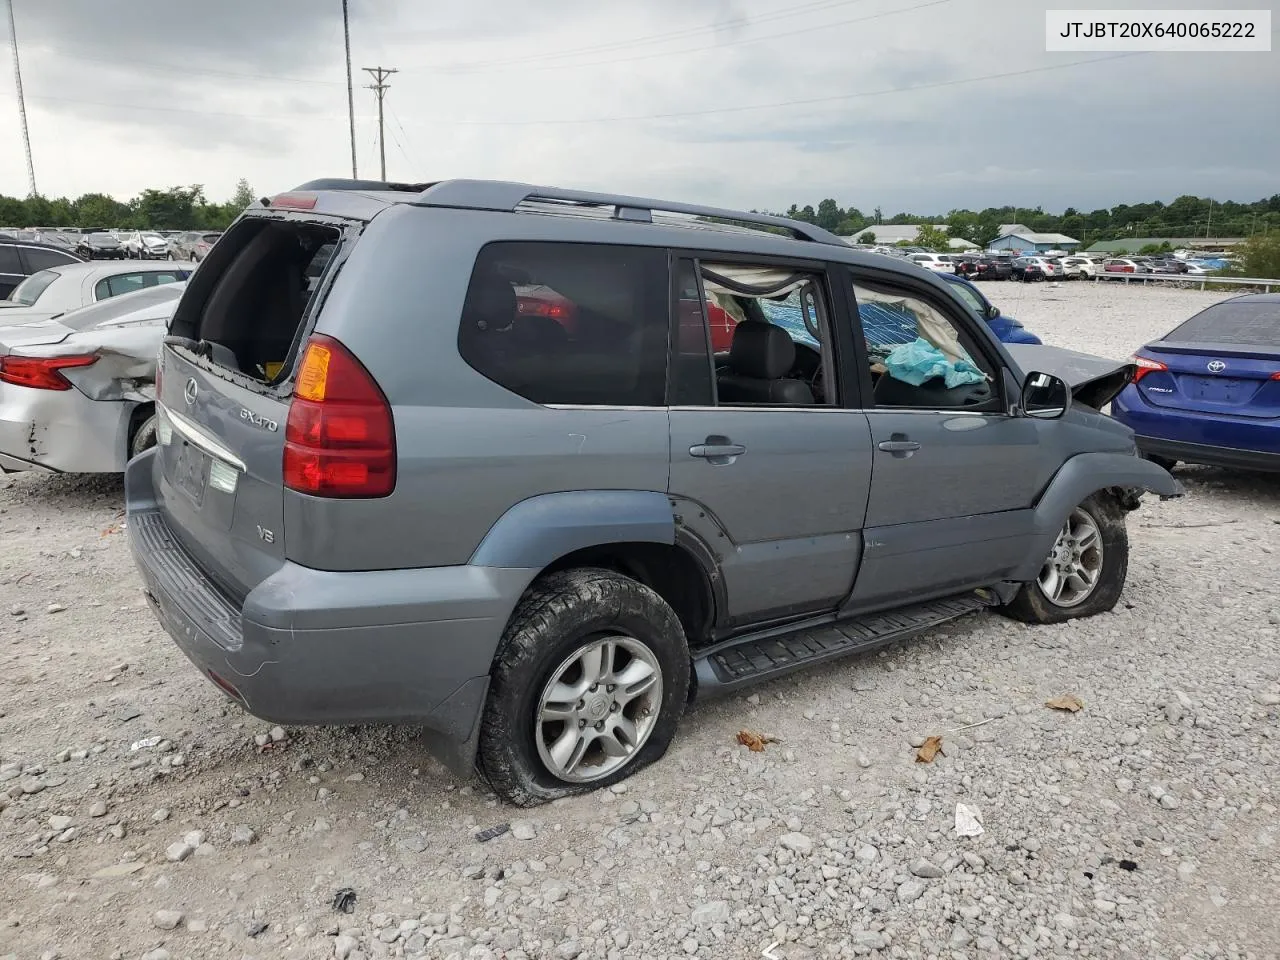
[(166, 919), (797, 843)]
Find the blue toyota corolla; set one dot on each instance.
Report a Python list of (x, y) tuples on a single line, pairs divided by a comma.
[(1209, 390), (1006, 329)]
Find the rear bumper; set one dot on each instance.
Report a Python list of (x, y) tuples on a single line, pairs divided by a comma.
[(1211, 455), (319, 647), (62, 431), (1199, 438)]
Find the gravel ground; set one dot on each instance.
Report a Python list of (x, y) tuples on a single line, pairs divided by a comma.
[(1144, 825)]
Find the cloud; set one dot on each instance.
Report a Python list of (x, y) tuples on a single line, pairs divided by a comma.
[(732, 102)]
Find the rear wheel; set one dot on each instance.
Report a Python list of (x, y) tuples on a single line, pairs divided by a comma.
[(588, 686), (1085, 571), (144, 436)]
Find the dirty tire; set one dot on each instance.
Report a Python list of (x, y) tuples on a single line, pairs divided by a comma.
[(554, 617), (144, 437), (1030, 605)]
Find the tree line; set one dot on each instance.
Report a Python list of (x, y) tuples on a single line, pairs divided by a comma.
[(177, 208), (1186, 216)]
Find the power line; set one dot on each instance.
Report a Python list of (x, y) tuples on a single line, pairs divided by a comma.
[(718, 46), (380, 88), (814, 7), (22, 103), (446, 121), (783, 103)]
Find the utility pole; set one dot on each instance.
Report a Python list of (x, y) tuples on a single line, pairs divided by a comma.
[(380, 87), (351, 101), (1209, 222), (22, 104)]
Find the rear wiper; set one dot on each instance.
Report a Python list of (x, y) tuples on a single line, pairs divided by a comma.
[(201, 348)]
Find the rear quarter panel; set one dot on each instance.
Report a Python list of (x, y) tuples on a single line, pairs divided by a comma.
[(468, 450)]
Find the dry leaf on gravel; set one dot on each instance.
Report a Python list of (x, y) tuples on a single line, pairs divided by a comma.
[(755, 741), (1068, 701), (931, 747)]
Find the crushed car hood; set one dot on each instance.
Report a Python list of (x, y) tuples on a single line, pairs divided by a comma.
[(1094, 381)]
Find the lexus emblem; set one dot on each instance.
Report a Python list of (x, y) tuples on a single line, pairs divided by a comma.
[(1215, 366), (190, 390)]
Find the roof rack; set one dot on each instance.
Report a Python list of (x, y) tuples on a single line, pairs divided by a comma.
[(506, 197), (338, 183)]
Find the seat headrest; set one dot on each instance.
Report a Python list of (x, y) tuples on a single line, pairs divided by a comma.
[(490, 304), (761, 350)]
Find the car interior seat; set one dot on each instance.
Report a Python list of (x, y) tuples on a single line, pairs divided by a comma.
[(760, 357)]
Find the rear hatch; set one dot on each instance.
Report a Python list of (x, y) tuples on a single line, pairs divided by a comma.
[(1224, 361), (224, 387)]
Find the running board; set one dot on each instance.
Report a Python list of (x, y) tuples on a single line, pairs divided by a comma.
[(739, 663)]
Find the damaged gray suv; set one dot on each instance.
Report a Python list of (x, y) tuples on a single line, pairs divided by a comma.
[(534, 468)]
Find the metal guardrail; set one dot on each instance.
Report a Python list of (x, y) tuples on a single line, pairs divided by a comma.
[(1188, 280)]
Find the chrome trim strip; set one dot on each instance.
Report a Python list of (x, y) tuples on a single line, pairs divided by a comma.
[(199, 438)]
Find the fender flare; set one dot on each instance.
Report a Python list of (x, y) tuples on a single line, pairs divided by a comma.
[(1080, 477), (536, 532)]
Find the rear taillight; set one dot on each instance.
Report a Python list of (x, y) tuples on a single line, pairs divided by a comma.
[(1146, 366), (41, 373), (1275, 376), (339, 436)]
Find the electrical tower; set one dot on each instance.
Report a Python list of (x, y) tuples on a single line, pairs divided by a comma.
[(22, 104), (380, 88)]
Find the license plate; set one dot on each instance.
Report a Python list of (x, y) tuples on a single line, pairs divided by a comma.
[(191, 472), (1217, 389)]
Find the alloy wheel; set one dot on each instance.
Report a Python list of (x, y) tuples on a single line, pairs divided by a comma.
[(598, 708), (1074, 566)]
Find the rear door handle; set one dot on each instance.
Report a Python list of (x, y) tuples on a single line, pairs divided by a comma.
[(719, 450)]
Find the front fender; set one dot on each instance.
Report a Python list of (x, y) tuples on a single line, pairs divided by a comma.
[(1079, 478)]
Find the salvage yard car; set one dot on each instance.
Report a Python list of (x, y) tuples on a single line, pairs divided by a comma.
[(1209, 390), (77, 392), (59, 289), (394, 496)]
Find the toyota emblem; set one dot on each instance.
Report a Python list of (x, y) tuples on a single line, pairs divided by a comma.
[(1215, 366), (190, 390)]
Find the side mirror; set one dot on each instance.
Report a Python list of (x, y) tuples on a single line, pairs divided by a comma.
[(992, 311), (1045, 397)]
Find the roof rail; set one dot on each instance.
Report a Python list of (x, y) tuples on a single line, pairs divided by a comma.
[(338, 183), (505, 196)]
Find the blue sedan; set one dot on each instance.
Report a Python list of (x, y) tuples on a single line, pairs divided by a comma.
[(1005, 328), (1209, 390)]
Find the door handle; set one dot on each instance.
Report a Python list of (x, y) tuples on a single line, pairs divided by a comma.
[(898, 445), (718, 450)]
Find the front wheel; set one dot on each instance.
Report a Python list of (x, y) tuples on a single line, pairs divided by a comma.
[(588, 686), (1085, 571), (144, 437)]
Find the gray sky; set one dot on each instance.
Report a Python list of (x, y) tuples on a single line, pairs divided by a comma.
[(752, 103)]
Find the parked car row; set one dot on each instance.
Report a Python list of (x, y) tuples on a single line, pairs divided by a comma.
[(100, 243)]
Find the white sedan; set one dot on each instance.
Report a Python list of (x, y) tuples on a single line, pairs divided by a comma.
[(59, 289), (77, 393), (936, 262)]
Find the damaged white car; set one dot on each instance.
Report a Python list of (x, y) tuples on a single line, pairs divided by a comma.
[(77, 392)]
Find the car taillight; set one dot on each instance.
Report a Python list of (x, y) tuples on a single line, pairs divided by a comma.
[(1126, 269), (1275, 376), (41, 373), (1146, 366), (541, 308), (339, 436)]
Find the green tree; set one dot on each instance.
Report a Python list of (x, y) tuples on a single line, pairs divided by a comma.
[(172, 209), (829, 214), (1259, 257), (1152, 248), (931, 238), (868, 237), (99, 210), (243, 197)]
